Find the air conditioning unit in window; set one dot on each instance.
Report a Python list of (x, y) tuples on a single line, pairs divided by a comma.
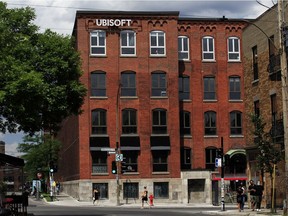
[(163, 93)]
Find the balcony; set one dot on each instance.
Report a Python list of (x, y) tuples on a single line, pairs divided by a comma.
[(274, 68)]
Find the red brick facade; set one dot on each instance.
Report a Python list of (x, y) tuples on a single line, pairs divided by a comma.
[(76, 133)]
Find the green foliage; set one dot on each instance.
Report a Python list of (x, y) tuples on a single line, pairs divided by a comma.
[(38, 152), (39, 75), (268, 153)]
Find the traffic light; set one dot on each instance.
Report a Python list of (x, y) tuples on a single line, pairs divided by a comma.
[(219, 153), (114, 167)]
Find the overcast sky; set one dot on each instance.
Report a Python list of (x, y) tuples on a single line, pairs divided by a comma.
[(59, 16)]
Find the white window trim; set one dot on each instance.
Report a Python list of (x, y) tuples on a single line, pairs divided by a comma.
[(233, 48), (207, 51), (93, 34), (128, 46), (157, 41), (183, 51)]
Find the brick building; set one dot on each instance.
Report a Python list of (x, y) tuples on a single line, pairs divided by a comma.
[(163, 90), (263, 94)]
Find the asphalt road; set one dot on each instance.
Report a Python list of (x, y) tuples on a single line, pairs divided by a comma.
[(51, 210)]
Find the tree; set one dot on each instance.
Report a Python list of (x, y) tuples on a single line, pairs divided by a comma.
[(38, 151), (268, 153), (39, 75)]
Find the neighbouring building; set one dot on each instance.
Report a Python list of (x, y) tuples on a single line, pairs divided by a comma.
[(263, 95), (163, 91)]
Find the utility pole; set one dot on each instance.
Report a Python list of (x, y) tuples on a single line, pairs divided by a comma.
[(222, 177), (281, 25)]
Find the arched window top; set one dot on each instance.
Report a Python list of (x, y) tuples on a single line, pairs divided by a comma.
[(158, 71), (128, 71), (98, 71)]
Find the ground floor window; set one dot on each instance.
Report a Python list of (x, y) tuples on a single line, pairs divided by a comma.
[(99, 161), (130, 190), (102, 188), (161, 190)]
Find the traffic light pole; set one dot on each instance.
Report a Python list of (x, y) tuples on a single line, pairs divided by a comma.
[(222, 178)]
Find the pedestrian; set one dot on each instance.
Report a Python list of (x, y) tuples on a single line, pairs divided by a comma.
[(144, 196), (253, 197), (95, 196), (259, 194), (240, 198)]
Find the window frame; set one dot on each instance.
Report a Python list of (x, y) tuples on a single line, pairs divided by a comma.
[(235, 43), (99, 160), (209, 116), (163, 186), (184, 87), (99, 44), (160, 160), (129, 128), (159, 124), (209, 94), (127, 34), (208, 48), (236, 127), (128, 84), (210, 161), (183, 48), (157, 46), (185, 127), (234, 93), (101, 122), (158, 88), (99, 82)]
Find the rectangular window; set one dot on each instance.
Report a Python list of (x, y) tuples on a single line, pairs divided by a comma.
[(183, 48), (234, 87), (130, 162), (128, 43), (99, 162), (184, 88), (157, 43), (273, 109), (185, 123), (255, 63), (129, 121), (257, 108), (161, 190), (209, 88), (158, 85), (210, 158), (233, 49), (98, 43), (210, 123), (208, 48), (128, 84), (98, 84), (130, 190), (99, 125), (159, 122), (185, 158), (235, 123), (102, 188), (160, 161)]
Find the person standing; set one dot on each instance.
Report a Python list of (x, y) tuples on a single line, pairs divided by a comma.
[(95, 196), (253, 197), (144, 196), (259, 194), (240, 198)]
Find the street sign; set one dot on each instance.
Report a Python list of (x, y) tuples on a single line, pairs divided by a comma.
[(218, 162), (108, 149), (111, 152), (119, 157)]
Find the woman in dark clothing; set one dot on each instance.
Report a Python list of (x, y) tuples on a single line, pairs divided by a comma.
[(95, 196), (240, 198)]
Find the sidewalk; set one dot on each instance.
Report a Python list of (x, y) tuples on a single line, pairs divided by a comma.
[(65, 200)]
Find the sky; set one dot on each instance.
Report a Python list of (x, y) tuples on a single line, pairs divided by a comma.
[(59, 16)]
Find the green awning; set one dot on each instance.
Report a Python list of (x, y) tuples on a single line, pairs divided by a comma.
[(233, 152)]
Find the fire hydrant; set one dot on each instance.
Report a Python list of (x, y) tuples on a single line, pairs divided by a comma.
[(151, 197)]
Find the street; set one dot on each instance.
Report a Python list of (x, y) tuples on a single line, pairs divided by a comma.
[(44, 209)]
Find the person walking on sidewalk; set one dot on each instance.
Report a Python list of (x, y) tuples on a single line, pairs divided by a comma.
[(240, 198), (144, 196), (259, 194), (95, 196), (253, 196)]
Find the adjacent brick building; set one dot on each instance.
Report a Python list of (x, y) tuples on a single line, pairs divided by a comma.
[(263, 95), (162, 90)]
